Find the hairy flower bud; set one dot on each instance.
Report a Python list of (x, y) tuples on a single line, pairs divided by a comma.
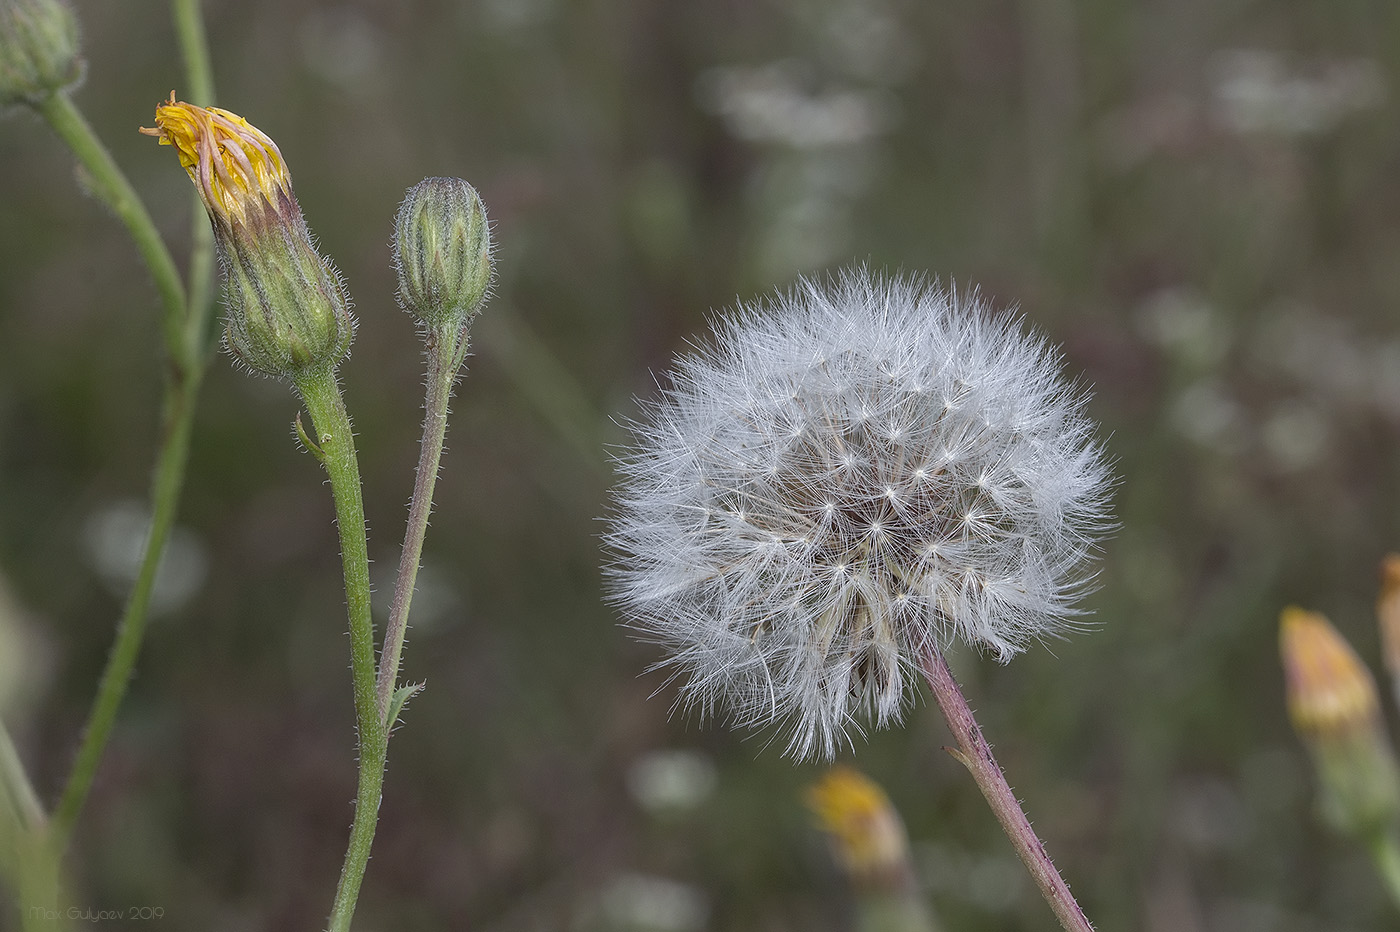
[(1335, 710), (442, 250), (288, 313), (38, 50)]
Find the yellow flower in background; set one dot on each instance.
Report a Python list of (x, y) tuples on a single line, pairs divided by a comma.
[(865, 829), (870, 845), (1329, 688), (289, 315), (1333, 703), (238, 170)]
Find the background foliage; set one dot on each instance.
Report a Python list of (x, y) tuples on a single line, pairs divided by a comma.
[(1200, 201)]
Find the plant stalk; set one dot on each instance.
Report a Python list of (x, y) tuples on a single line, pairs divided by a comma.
[(335, 446), (167, 483), (111, 186), (185, 322), (14, 783), (194, 48), (446, 347), (1385, 852), (975, 754)]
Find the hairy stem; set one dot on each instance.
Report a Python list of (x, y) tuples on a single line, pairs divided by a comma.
[(335, 442), (975, 754), (111, 186), (446, 347)]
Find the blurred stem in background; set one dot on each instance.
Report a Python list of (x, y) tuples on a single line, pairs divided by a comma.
[(45, 33), (1335, 708), (188, 309), (870, 845)]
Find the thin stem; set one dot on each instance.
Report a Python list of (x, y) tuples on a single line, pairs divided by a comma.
[(1385, 851), (445, 346), (185, 322), (194, 48), (167, 483), (111, 185), (975, 754), (14, 783), (335, 442)]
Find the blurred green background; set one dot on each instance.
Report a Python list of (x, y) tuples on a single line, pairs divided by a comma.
[(1199, 200)]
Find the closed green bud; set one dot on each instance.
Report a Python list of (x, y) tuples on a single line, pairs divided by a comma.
[(38, 50), (442, 250)]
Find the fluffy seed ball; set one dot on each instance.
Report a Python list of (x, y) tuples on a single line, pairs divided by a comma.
[(841, 479)]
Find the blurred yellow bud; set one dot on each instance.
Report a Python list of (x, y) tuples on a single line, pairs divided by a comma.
[(866, 831), (1329, 689), (1334, 707)]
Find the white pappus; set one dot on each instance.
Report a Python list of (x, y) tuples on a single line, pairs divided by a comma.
[(845, 477)]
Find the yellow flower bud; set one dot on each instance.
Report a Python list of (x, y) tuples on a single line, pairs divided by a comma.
[(289, 314), (1329, 690), (1333, 703)]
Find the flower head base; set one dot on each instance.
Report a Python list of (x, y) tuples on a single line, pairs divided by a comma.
[(860, 472), (289, 315)]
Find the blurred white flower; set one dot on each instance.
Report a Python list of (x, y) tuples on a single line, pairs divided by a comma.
[(647, 903), (843, 479), (116, 542), (1255, 92), (671, 781)]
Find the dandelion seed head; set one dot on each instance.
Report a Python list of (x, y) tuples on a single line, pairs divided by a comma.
[(945, 485)]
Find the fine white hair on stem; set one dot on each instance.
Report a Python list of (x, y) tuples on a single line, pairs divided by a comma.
[(842, 477)]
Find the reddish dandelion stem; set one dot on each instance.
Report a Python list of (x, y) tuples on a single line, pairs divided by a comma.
[(975, 754)]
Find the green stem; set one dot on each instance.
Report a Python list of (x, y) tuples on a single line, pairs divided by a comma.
[(111, 185), (194, 48), (974, 753), (14, 783), (335, 445), (1385, 851), (446, 348), (185, 322), (165, 497)]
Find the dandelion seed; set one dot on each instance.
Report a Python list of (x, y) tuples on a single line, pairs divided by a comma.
[(972, 521)]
